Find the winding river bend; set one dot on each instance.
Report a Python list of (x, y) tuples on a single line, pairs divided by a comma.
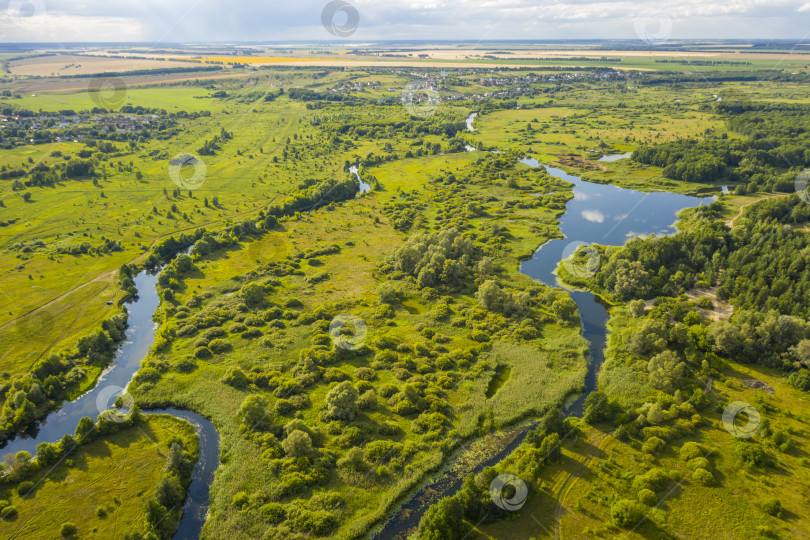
[(598, 214), (140, 335)]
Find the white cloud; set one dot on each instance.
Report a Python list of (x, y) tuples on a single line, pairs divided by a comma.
[(60, 27), (594, 216)]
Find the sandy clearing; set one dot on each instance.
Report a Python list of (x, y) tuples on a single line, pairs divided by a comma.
[(720, 308)]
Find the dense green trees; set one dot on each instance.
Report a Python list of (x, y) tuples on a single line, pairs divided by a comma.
[(774, 137), (443, 521), (445, 258), (760, 265)]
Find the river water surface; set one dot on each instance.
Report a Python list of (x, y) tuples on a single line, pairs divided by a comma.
[(598, 214), (140, 335)]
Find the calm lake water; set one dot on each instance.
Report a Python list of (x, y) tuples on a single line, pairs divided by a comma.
[(607, 215)]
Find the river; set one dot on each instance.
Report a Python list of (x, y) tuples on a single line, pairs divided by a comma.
[(140, 335), (598, 214)]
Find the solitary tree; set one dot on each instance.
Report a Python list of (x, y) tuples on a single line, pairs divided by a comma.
[(341, 401), (297, 444), (254, 413)]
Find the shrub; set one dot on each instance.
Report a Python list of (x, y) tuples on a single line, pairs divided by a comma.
[(235, 377), (444, 520), (147, 375), (626, 513), (318, 522), (253, 413), (699, 463), (297, 444), (240, 499), (703, 477), (25, 488), (653, 445), (203, 353), (705, 302), (334, 375), (692, 450), (621, 433), (749, 454), (341, 401), (389, 429), (68, 530), (8, 513), (772, 507), (185, 365), (647, 497), (252, 294), (367, 400), (388, 390), (654, 480), (273, 513), (219, 346), (366, 374), (188, 330), (283, 406), (212, 333)]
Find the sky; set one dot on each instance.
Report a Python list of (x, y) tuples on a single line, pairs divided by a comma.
[(368, 20)]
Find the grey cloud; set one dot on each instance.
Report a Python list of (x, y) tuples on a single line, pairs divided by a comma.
[(242, 20)]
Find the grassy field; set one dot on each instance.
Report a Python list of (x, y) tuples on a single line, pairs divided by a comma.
[(596, 469), (101, 487), (468, 367), (362, 232)]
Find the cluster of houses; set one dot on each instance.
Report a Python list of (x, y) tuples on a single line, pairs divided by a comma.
[(120, 123), (511, 86), (357, 86)]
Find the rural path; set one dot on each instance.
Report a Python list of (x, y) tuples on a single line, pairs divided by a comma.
[(106, 276), (109, 278), (730, 222), (570, 479)]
